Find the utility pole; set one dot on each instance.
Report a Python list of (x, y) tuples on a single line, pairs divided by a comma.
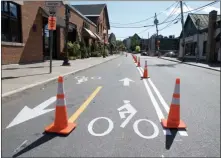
[(183, 39), (148, 43), (198, 32), (156, 23)]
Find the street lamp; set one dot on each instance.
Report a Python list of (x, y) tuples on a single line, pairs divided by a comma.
[(104, 33), (67, 16)]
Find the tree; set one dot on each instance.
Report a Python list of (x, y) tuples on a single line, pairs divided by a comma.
[(135, 41), (112, 42), (137, 49)]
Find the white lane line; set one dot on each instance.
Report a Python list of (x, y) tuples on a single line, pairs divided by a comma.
[(165, 105), (22, 144), (183, 133), (179, 140), (159, 96), (156, 106)]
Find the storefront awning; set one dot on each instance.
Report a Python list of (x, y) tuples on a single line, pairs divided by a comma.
[(90, 33), (98, 37)]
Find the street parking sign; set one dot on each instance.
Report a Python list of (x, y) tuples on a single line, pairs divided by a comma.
[(51, 23), (52, 5)]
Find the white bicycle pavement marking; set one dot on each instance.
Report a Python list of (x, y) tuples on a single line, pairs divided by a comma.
[(131, 110)]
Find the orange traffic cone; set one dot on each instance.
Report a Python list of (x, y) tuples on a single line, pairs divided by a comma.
[(61, 124), (135, 59), (173, 120), (138, 64), (145, 72)]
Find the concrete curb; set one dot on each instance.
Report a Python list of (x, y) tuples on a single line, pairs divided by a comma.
[(190, 64), (52, 79)]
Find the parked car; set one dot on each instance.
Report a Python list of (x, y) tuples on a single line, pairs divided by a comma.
[(144, 53), (170, 54)]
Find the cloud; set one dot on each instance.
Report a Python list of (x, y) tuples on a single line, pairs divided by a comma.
[(177, 11)]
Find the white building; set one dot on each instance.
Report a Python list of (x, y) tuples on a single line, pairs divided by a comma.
[(193, 35)]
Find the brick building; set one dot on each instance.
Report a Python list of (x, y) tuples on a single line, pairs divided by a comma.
[(24, 31), (99, 15)]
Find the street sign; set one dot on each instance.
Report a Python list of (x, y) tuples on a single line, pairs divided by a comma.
[(52, 4), (51, 23)]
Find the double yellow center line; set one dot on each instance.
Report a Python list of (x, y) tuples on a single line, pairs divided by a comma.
[(74, 117)]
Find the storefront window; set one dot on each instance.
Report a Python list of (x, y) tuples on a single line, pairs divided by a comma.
[(190, 49), (11, 22), (204, 48)]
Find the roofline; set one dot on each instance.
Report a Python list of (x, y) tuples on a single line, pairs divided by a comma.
[(92, 15), (108, 23), (80, 14)]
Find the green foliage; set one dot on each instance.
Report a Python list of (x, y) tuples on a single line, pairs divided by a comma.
[(134, 42), (83, 49), (73, 49), (137, 49)]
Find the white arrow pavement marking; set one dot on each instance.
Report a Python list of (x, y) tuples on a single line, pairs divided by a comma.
[(126, 81), (26, 113), (129, 109), (81, 79)]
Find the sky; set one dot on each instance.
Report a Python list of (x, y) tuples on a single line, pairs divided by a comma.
[(124, 12)]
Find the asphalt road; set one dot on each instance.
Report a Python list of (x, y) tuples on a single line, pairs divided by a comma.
[(142, 135)]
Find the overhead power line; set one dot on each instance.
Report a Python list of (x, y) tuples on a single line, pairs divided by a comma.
[(144, 19), (196, 10), (176, 18), (144, 25), (172, 12)]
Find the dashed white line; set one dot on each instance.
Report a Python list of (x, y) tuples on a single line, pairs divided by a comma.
[(156, 106), (165, 105)]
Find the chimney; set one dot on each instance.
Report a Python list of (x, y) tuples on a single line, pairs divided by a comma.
[(210, 48)]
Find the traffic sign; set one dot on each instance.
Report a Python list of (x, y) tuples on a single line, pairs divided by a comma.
[(52, 4), (51, 23)]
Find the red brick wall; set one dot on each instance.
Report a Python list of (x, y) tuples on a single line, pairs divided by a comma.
[(33, 49), (103, 25)]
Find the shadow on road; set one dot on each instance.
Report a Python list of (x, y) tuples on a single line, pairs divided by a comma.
[(170, 138), (45, 138), (165, 65), (15, 68), (12, 77)]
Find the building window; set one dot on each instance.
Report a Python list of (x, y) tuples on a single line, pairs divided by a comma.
[(86, 25), (204, 48), (11, 22), (190, 49)]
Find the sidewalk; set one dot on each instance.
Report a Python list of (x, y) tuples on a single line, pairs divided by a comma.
[(215, 67), (16, 78)]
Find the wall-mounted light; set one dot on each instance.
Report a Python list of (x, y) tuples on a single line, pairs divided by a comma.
[(34, 28)]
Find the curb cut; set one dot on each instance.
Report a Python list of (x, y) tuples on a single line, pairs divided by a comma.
[(191, 64), (7, 94)]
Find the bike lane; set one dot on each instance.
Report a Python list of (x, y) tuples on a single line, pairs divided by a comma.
[(119, 141), (113, 95)]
